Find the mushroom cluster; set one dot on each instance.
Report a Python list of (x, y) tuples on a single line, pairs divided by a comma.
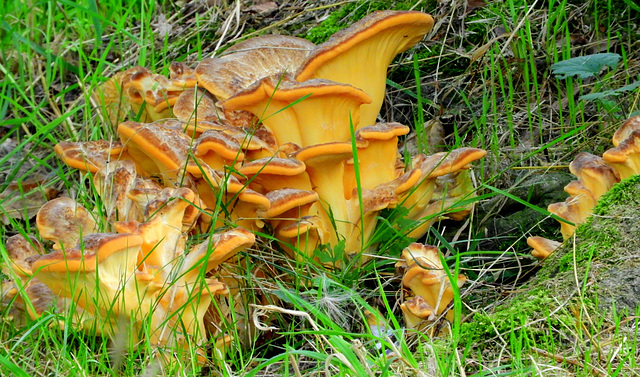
[(596, 175), (428, 286), (277, 136), (142, 274)]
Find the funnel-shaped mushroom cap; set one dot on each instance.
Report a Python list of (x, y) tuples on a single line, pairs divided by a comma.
[(361, 54), (625, 158), (217, 150), (542, 247), (247, 209), (378, 155), (627, 128), (159, 150), (309, 113), (162, 234), (276, 173), (425, 276), (94, 272), (249, 61), (195, 105), (89, 156), (594, 173), (64, 222)]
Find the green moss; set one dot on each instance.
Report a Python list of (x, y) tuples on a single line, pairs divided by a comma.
[(514, 315)]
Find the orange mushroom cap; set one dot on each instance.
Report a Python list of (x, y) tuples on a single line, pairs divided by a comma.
[(360, 54)]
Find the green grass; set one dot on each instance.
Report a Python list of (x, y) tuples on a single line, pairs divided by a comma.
[(483, 75)]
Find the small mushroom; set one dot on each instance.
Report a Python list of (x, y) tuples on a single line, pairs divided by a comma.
[(425, 277), (594, 173), (624, 132), (542, 247), (418, 201), (217, 150), (625, 158)]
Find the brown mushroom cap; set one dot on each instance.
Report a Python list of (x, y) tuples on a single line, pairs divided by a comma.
[(215, 250), (94, 249), (182, 76), (542, 247), (309, 113), (416, 310), (195, 105), (159, 149), (570, 211), (249, 61), (628, 127), (89, 156), (360, 54), (594, 173), (64, 221), (22, 252)]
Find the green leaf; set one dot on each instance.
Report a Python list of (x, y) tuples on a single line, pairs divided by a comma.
[(612, 92), (585, 66)]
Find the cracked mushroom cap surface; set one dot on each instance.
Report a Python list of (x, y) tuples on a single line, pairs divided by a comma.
[(64, 221), (360, 54), (22, 252), (195, 105), (249, 61), (305, 113)]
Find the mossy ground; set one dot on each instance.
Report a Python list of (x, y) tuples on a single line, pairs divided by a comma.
[(586, 286)]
